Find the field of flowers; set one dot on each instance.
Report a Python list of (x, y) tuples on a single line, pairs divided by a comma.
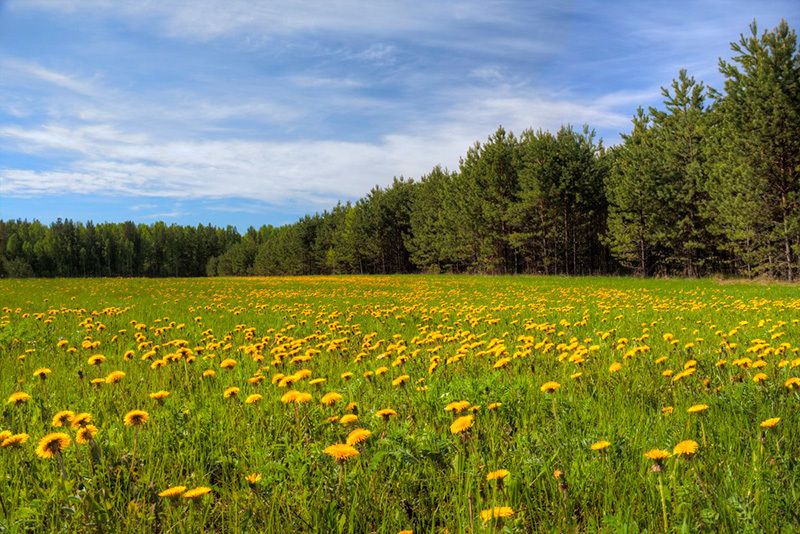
[(399, 404)]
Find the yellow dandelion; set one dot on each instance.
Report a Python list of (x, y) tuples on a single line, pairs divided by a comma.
[(227, 363), (386, 414), (461, 424), (81, 420), (502, 362), (196, 493), (498, 512), (52, 444), (400, 380), (549, 387), (348, 419), (173, 492), (457, 406), (231, 392), (329, 399), (254, 398), (114, 377), (253, 478), (500, 474), (600, 445), (18, 398), (97, 359), (159, 395), (86, 434), (42, 373), (341, 452), (771, 422), (63, 418), (614, 367), (14, 440), (359, 435), (136, 418), (697, 408), (685, 448), (657, 455), (289, 396), (302, 398)]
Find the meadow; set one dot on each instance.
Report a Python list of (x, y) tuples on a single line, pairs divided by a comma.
[(399, 404)]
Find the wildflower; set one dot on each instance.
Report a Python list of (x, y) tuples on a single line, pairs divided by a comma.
[(494, 405), (227, 363), (253, 478), (18, 398), (13, 440), (329, 399), (501, 363), (697, 408), (359, 435), (114, 377), (42, 373), (760, 377), (657, 455), (209, 373), (348, 418), (96, 359), (500, 474), (549, 387), (600, 445), (457, 406), (136, 418), (386, 414), (771, 422), (614, 367), (81, 420), (63, 418), (159, 395), (231, 392), (52, 445), (86, 434), (793, 382), (173, 492), (289, 396), (461, 424), (400, 380), (195, 493), (254, 398), (498, 512), (341, 452), (302, 398), (667, 410), (685, 448)]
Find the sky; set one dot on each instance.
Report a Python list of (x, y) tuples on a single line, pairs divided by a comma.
[(249, 113)]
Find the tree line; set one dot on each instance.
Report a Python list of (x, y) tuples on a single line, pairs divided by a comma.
[(707, 183)]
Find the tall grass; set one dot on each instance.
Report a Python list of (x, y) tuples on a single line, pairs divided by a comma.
[(446, 333)]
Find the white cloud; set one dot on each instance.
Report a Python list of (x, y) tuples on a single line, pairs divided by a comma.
[(318, 172)]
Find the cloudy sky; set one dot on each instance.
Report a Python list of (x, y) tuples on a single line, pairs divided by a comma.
[(251, 113)]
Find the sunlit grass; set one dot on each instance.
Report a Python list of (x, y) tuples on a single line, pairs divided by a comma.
[(381, 404)]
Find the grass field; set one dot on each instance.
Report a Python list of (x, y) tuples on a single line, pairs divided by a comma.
[(562, 389)]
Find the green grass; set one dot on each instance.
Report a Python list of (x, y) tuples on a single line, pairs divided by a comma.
[(412, 473)]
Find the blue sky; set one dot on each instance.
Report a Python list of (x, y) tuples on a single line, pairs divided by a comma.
[(251, 113)]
